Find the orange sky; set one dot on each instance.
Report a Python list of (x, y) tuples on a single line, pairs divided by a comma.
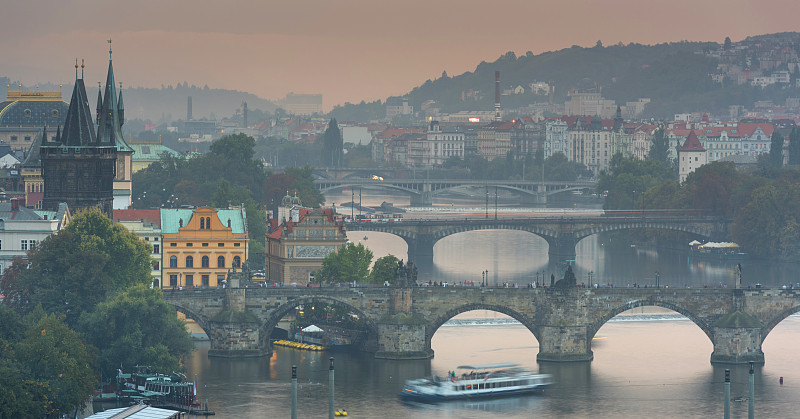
[(348, 50)]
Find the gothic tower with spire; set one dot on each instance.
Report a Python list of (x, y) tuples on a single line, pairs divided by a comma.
[(78, 166), (110, 118)]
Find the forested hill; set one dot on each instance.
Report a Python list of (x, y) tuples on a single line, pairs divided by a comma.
[(168, 102), (675, 76)]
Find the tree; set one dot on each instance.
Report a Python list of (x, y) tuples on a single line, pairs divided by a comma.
[(303, 184), (349, 264), (332, 145), (659, 147), (137, 327), (794, 147), (711, 186), (76, 268), (59, 365), (384, 269), (776, 149)]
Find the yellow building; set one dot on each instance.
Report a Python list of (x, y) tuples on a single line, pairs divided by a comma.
[(298, 240), (200, 245)]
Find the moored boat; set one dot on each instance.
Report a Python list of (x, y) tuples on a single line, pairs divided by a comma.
[(489, 380)]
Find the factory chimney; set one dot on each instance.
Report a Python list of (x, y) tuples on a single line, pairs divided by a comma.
[(497, 117), (189, 108)]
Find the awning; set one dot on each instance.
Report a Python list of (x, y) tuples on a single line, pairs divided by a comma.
[(312, 329)]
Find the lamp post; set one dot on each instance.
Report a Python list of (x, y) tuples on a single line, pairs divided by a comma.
[(589, 285), (495, 203), (487, 202), (658, 276)]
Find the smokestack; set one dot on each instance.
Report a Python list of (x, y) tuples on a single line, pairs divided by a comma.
[(244, 114), (189, 108), (497, 96)]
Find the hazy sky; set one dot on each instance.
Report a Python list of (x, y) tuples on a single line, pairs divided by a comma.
[(348, 50)]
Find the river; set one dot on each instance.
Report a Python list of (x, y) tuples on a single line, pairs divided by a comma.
[(648, 362)]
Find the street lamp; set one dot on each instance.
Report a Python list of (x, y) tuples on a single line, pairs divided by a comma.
[(658, 276), (590, 278), (487, 202)]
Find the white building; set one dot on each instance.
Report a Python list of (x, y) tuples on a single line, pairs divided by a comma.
[(435, 147), (555, 138), (22, 229), (691, 156)]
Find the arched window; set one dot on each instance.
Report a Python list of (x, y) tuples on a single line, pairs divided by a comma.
[(202, 223), (27, 113), (208, 223), (221, 262), (237, 262), (173, 261), (204, 262), (189, 262)]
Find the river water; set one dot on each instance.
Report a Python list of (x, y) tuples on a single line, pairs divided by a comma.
[(648, 362)]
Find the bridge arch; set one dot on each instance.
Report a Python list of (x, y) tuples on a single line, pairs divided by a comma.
[(776, 320), (595, 326), (603, 228), (434, 325), (276, 314), (201, 320)]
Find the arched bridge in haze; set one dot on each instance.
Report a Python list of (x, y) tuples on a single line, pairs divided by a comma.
[(400, 322)]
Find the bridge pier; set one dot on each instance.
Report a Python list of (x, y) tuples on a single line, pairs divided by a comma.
[(420, 251), (564, 344), (402, 337), (235, 340), (737, 345), (562, 248), (424, 198), (533, 199)]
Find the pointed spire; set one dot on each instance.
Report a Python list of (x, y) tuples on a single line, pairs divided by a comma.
[(82, 67), (78, 125), (99, 101), (121, 107), (109, 123)]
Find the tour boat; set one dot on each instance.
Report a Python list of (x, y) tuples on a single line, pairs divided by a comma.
[(473, 381)]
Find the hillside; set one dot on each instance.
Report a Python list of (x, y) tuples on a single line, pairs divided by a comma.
[(675, 76)]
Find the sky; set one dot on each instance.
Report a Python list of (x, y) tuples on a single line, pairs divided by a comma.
[(348, 50)]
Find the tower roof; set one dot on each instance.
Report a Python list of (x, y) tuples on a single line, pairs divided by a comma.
[(109, 122), (692, 143), (79, 126)]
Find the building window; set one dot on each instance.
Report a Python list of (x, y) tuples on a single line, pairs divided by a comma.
[(156, 265), (173, 281), (189, 262), (28, 138), (156, 249), (173, 244), (32, 244), (23, 245), (205, 244), (237, 261), (220, 278), (202, 223), (220, 244), (236, 244), (189, 244), (1, 245), (204, 262), (189, 281), (221, 262), (14, 138), (208, 223), (204, 279), (173, 261)]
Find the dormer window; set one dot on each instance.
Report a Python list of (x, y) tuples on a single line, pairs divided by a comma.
[(27, 113)]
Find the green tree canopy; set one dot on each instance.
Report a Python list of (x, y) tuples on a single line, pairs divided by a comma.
[(384, 270), (776, 149), (349, 264), (76, 268), (137, 327), (58, 366)]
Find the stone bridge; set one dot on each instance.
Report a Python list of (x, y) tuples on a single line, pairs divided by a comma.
[(561, 233), (422, 191), (400, 322)]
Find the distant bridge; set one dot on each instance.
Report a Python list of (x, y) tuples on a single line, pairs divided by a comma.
[(561, 233), (400, 322), (422, 191)]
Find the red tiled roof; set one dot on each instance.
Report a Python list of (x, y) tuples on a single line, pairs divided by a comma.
[(748, 128), (692, 143), (277, 228), (151, 215)]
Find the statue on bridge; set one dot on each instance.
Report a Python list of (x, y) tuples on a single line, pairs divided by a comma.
[(568, 281), (406, 275)]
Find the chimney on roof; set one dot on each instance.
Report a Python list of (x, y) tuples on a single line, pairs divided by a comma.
[(497, 117), (14, 204), (189, 108)]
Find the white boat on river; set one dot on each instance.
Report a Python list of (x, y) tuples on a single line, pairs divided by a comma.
[(473, 381)]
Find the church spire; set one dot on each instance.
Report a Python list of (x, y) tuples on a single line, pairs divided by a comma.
[(121, 107)]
